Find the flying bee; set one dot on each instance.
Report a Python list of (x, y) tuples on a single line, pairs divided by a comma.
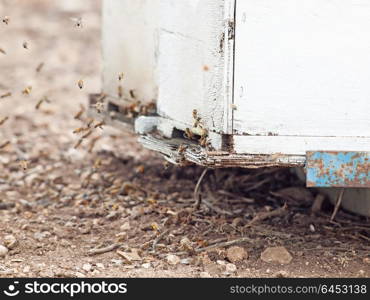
[(86, 135), (92, 145), (78, 22), (195, 114), (2, 51), (41, 101), (39, 67), (78, 144), (6, 20), (5, 95), (23, 164), (2, 121), (90, 122), (100, 125), (80, 129), (102, 97), (4, 145), (99, 106), (132, 94), (78, 115), (120, 91), (80, 84), (27, 90), (25, 45), (120, 76)]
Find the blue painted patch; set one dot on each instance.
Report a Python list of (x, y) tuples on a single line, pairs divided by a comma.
[(338, 169)]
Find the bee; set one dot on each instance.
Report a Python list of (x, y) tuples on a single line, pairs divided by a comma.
[(97, 163), (39, 67), (120, 91), (80, 84), (204, 142), (154, 226), (120, 76), (132, 94), (42, 100), (78, 22), (2, 51), (6, 20), (233, 107), (27, 90), (205, 68), (23, 164), (2, 121), (99, 106), (86, 135), (78, 115), (188, 134), (78, 144), (102, 97), (182, 148), (92, 145), (100, 125), (80, 129), (25, 45), (4, 145), (5, 95), (91, 121), (195, 114)]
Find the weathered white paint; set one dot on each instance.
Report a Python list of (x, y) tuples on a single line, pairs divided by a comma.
[(302, 68), (175, 52), (297, 145), (195, 62), (130, 43)]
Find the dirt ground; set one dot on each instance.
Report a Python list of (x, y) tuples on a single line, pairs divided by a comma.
[(60, 205)]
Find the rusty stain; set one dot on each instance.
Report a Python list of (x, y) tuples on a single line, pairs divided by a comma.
[(338, 169)]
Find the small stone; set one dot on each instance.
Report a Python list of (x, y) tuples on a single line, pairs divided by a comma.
[(10, 241), (204, 275), (100, 266), (361, 272), (221, 262), (113, 215), (281, 274), (87, 267), (3, 251), (125, 226), (230, 268), (172, 259), (276, 255), (146, 265), (26, 269), (236, 254), (80, 275), (130, 256), (366, 260)]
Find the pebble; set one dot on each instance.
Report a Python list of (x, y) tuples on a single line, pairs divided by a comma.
[(278, 255), (172, 259), (10, 241), (236, 254), (3, 251), (231, 268), (146, 265), (87, 267), (204, 275), (125, 226)]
